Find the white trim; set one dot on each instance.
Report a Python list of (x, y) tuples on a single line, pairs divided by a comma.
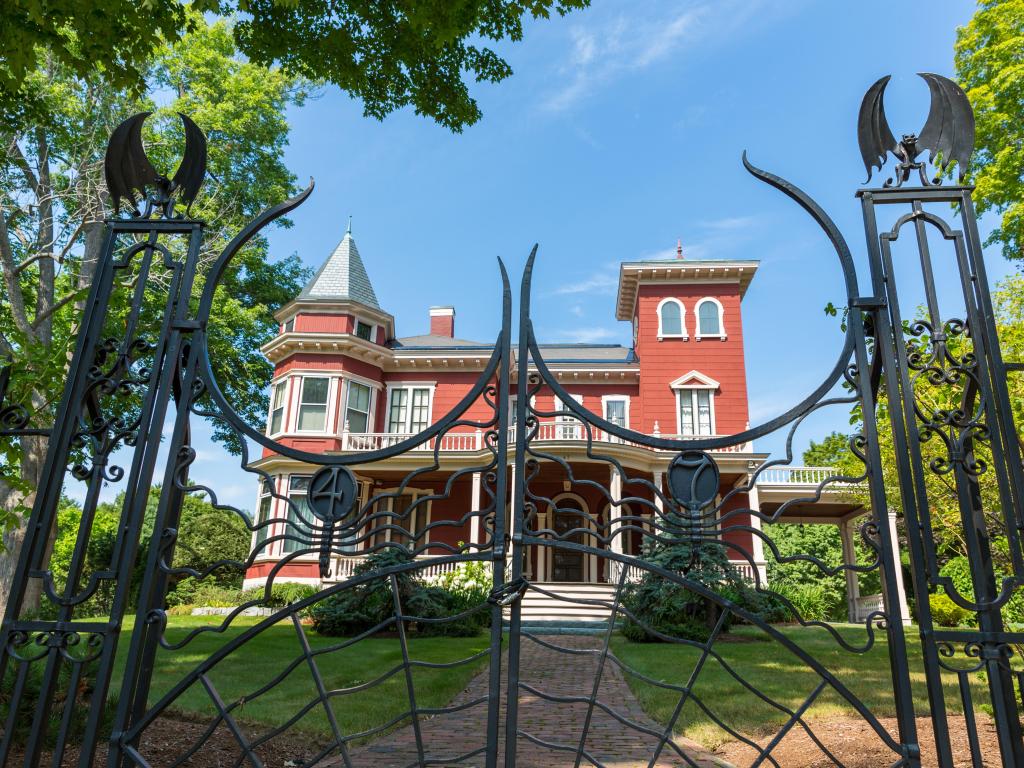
[(702, 381), (605, 399), (682, 320), (721, 320), (283, 381)]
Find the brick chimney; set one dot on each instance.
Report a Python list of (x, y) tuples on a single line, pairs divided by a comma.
[(442, 322)]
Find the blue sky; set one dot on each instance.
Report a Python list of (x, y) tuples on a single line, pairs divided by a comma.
[(621, 131)]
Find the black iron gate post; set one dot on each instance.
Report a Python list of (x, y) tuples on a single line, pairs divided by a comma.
[(984, 418)]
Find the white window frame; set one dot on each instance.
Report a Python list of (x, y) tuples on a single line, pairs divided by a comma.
[(682, 320), (283, 383), (409, 385), (373, 329), (370, 421), (692, 382), (568, 426), (289, 530), (721, 319), (605, 400), (329, 405), (262, 534)]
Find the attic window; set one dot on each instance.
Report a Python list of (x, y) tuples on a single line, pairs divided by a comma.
[(364, 330)]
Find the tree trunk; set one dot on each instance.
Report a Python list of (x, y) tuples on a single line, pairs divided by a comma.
[(31, 473)]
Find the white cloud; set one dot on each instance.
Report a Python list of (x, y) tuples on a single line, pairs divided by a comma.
[(604, 48), (600, 282), (585, 335)]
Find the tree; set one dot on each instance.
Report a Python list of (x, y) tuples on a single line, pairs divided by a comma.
[(988, 53), (388, 53), (52, 204)]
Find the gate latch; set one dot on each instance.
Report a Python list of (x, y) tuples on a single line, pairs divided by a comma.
[(509, 593)]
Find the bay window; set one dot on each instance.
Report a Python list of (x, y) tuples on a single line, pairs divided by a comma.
[(299, 514)]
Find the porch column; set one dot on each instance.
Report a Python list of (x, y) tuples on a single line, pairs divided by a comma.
[(474, 520), (756, 543), (900, 590), (658, 503), (850, 558), (615, 512)]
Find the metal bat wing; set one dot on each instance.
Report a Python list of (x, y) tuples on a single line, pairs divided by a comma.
[(192, 170), (948, 132), (126, 167), (873, 133)]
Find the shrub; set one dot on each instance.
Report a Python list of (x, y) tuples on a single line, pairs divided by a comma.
[(659, 605), (946, 613), (812, 602), (281, 594), (190, 591), (357, 609)]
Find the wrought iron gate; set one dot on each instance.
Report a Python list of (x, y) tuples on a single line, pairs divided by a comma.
[(142, 361)]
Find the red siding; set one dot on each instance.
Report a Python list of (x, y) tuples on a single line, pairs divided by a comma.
[(664, 361)]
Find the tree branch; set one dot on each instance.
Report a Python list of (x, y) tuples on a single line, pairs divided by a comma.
[(49, 312)]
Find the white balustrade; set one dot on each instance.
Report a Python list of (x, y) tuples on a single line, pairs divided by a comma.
[(811, 476), (548, 431), (344, 567)]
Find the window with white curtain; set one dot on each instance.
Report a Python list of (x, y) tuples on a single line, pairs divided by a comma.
[(299, 516), (313, 404), (263, 511), (695, 412)]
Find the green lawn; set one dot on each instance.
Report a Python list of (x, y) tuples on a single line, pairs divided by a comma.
[(774, 671), (267, 655)]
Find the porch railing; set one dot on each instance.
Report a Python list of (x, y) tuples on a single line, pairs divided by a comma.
[(474, 441), (811, 476)]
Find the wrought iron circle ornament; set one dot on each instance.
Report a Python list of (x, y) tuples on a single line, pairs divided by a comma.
[(693, 477), (128, 170), (948, 132)]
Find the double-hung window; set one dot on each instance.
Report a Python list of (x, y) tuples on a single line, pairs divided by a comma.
[(357, 407), (313, 404), (671, 319), (616, 410), (277, 403), (409, 410), (695, 412), (567, 424), (299, 515)]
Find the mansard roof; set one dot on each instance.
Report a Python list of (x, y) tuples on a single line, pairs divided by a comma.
[(342, 278)]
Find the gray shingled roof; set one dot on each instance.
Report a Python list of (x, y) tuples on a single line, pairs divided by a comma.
[(342, 278)]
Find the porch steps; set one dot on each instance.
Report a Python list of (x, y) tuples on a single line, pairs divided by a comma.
[(560, 611)]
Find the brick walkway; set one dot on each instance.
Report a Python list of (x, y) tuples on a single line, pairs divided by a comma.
[(609, 742)]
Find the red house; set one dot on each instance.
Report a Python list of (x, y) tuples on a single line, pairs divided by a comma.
[(345, 381)]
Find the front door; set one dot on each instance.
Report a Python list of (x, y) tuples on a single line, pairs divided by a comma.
[(567, 564)]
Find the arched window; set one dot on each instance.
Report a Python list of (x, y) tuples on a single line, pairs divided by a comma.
[(709, 318), (671, 314)]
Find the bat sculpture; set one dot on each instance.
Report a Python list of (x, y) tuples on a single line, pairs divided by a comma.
[(948, 133), (128, 170)]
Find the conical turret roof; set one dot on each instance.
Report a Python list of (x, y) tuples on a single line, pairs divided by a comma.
[(342, 277)]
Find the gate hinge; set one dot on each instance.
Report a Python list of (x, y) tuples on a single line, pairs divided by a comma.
[(509, 593), (868, 302)]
